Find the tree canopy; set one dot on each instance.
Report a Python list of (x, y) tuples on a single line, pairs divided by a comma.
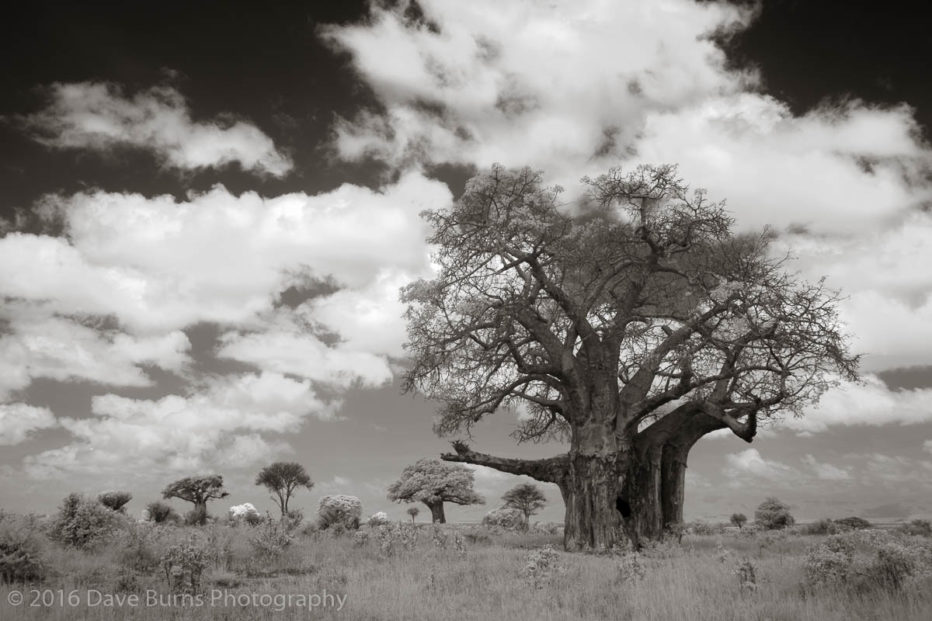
[(434, 482), (283, 479), (197, 490), (526, 498)]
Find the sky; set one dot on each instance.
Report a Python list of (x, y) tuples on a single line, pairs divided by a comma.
[(208, 210)]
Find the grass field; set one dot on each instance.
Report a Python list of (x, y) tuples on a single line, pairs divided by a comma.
[(457, 572)]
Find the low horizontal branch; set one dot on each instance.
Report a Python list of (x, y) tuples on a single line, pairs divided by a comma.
[(549, 470)]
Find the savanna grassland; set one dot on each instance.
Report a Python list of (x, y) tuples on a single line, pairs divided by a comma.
[(466, 572)]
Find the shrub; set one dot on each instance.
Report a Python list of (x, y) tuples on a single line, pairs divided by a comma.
[(115, 501), (245, 512), (866, 560), (20, 550), (340, 509), (772, 514), (83, 523), (703, 528), (541, 565), (184, 564), (852, 523), (271, 540), (508, 518), (379, 519), (160, 513), (824, 526), (922, 528), (196, 516)]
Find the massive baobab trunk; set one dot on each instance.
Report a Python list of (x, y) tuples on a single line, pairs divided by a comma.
[(437, 515)]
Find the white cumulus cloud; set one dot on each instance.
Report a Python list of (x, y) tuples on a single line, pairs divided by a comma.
[(98, 116), (18, 421)]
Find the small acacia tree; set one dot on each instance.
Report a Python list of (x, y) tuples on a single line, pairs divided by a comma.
[(773, 514), (526, 498), (283, 479), (628, 325), (197, 490), (115, 501), (738, 519), (434, 482), (413, 511)]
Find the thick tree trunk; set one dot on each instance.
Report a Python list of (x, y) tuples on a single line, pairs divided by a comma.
[(436, 512), (590, 493)]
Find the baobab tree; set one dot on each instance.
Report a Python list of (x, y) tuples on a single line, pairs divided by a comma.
[(630, 326), (197, 490), (434, 482)]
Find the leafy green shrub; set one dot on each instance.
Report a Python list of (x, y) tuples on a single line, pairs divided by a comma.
[(20, 550), (772, 514), (84, 523)]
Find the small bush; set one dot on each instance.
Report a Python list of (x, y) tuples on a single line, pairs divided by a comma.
[(507, 518), (541, 565), (866, 560), (160, 513), (339, 510), (703, 528), (196, 516), (271, 540), (824, 526), (20, 550), (183, 565), (379, 519), (852, 523), (83, 523), (921, 528)]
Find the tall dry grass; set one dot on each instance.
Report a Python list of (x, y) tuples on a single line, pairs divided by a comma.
[(696, 580)]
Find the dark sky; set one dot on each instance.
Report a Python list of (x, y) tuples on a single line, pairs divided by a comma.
[(266, 65)]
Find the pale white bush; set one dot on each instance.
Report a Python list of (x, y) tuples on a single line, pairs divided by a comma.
[(379, 519), (243, 511), (507, 518), (339, 509)]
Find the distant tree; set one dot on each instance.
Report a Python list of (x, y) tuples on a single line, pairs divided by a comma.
[(197, 490), (772, 514), (526, 498), (413, 511), (434, 482), (159, 512), (115, 500), (283, 479), (738, 519)]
